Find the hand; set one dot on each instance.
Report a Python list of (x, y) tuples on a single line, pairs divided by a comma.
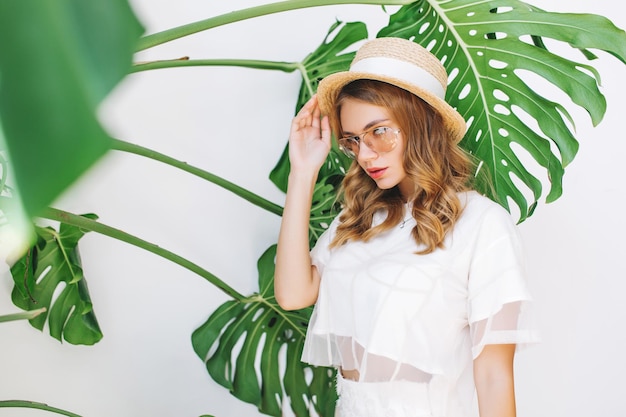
[(309, 139)]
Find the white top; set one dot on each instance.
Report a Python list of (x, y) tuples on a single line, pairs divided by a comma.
[(394, 315)]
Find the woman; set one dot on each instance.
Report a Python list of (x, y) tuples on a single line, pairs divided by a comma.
[(418, 284)]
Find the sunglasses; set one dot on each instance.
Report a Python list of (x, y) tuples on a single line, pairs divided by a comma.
[(380, 139)]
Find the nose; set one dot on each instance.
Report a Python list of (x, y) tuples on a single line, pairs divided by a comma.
[(366, 153)]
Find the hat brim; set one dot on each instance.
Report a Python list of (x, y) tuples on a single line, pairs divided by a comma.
[(329, 88)]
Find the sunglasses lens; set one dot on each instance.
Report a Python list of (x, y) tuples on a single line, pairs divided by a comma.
[(383, 139), (349, 147), (380, 140)]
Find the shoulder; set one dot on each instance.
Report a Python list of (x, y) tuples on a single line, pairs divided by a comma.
[(484, 220), (478, 208)]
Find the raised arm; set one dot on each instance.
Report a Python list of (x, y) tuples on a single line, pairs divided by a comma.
[(296, 281)]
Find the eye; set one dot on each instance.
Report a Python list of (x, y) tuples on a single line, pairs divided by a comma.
[(380, 131)]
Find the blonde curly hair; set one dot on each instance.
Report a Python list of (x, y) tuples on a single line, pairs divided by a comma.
[(437, 165)]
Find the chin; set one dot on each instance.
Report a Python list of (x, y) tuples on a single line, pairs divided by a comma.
[(385, 185)]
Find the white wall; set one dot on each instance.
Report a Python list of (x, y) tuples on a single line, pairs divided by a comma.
[(234, 123)]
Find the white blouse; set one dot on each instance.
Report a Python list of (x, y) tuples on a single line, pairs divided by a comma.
[(394, 315)]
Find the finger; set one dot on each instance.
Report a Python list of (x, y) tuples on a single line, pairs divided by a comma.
[(315, 122), (305, 118), (309, 105), (297, 124), (325, 130), (302, 115)]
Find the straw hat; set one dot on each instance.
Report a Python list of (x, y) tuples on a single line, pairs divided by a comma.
[(402, 63)]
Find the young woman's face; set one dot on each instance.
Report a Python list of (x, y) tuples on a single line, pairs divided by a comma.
[(386, 169)]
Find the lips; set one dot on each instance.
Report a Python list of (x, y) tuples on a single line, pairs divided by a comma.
[(376, 172)]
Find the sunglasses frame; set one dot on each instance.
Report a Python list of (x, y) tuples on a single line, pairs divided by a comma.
[(360, 137)]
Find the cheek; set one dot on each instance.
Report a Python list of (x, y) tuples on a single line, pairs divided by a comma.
[(398, 153)]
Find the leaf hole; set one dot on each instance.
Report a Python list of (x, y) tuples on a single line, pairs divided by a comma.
[(453, 74), (503, 132), (513, 207), (496, 35), (528, 120), (496, 64), (257, 359), (423, 28), (234, 354), (500, 95), (57, 293), (257, 314), (478, 135), (478, 168), (473, 32), (308, 375), (282, 363), (500, 109), (43, 275), (589, 73), (469, 122), (534, 168), (465, 91)]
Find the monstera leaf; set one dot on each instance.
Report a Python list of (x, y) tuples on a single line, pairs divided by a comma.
[(489, 49), (328, 58), (324, 207), (486, 48), (57, 63), (253, 348), (52, 266)]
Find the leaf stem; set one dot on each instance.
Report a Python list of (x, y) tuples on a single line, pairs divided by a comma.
[(246, 63), (24, 315), (237, 190), (159, 38), (38, 406), (95, 226)]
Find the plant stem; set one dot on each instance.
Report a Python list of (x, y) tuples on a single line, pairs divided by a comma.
[(246, 63), (38, 406), (241, 192), (159, 38), (24, 315), (94, 226)]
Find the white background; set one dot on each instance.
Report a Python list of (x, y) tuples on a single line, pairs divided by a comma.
[(233, 122)]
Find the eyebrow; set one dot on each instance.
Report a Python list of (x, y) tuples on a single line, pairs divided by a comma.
[(367, 126)]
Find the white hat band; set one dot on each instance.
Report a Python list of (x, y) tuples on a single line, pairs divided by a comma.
[(401, 70)]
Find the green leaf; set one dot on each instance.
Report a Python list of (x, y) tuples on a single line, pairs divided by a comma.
[(35, 406), (57, 62), (328, 58), (489, 48), (324, 206), (52, 266), (243, 345)]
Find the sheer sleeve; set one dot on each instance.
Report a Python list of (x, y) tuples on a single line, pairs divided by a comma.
[(321, 251), (499, 300)]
